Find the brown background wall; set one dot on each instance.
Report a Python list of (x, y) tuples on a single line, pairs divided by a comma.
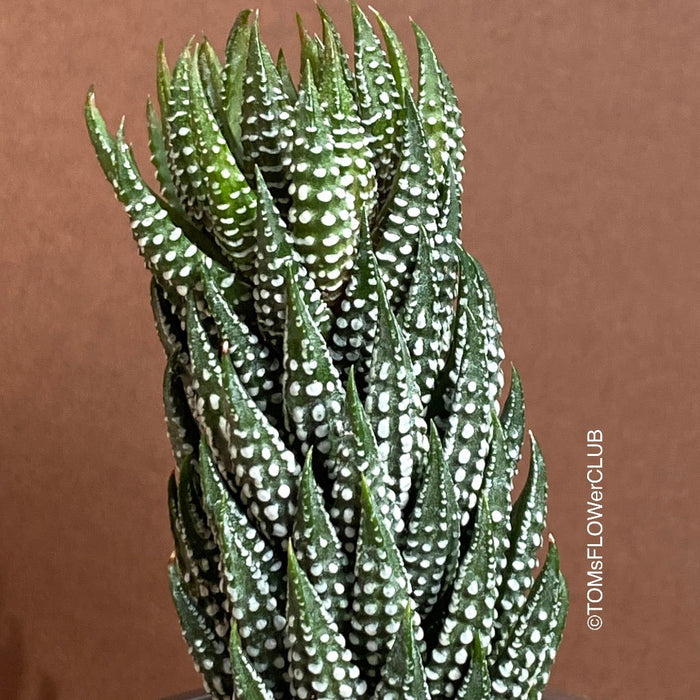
[(581, 201)]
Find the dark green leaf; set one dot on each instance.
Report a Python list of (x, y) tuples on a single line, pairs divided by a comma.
[(477, 684), (528, 519), (437, 103), (327, 187), (252, 575), (397, 57), (403, 676), (159, 156), (318, 549), (247, 684), (471, 609), (522, 667), (379, 101), (265, 471), (228, 204), (321, 665), (168, 324), (425, 320), (352, 338), (382, 588), (207, 648), (412, 207), (513, 421), (266, 121), (313, 396), (169, 254), (234, 71), (275, 255), (257, 366), (286, 77), (356, 455), (182, 428), (393, 405), (431, 550)]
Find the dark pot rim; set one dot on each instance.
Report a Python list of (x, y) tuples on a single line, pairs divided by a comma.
[(197, 695)]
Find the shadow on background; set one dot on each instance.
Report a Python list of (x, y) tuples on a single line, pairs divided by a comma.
[(16, 680)]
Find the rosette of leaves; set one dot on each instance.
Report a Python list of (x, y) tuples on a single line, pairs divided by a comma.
[(341, 504)]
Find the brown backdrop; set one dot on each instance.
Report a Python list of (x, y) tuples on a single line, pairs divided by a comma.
[(581, 201)]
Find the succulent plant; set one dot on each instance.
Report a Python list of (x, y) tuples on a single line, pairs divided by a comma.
[(341, 504)]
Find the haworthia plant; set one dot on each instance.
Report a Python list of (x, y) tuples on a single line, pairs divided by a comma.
[(341, 505)]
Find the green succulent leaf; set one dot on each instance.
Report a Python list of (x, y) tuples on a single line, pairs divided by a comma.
[(320, 664), (246, 681), (168, 253), (183, 152), (234, 72), (437, 103), (159, 156), (446, 242), (182, 429), (396, 55), (357, 456), (477, 684), (204, 551), (275, 256), (256, 365), (168, 324), (334, 53), (211, 76), (264, 469), (485, 308), (431, 549), (325, 190), (267, 121), (205, 389), (378, 99), (394, 406), (351, 340), (205, 645), (528, 519), (251, 573), (382, 588), (471, 609), (412, 207), (163, 80), (403, 676), (469, 401), (317, 547), (286, 77), (313, 396), (312, 50), (513, 422), (182, 555), (522, 667), (424, 319), (228, 204)]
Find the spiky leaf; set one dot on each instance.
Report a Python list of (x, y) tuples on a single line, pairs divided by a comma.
[(431, 549), (318, 549), (471, 610), (382, 589), (403, 676), (394, 406), (205, 645), (313, 395), (251, 574), (320, 664)]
